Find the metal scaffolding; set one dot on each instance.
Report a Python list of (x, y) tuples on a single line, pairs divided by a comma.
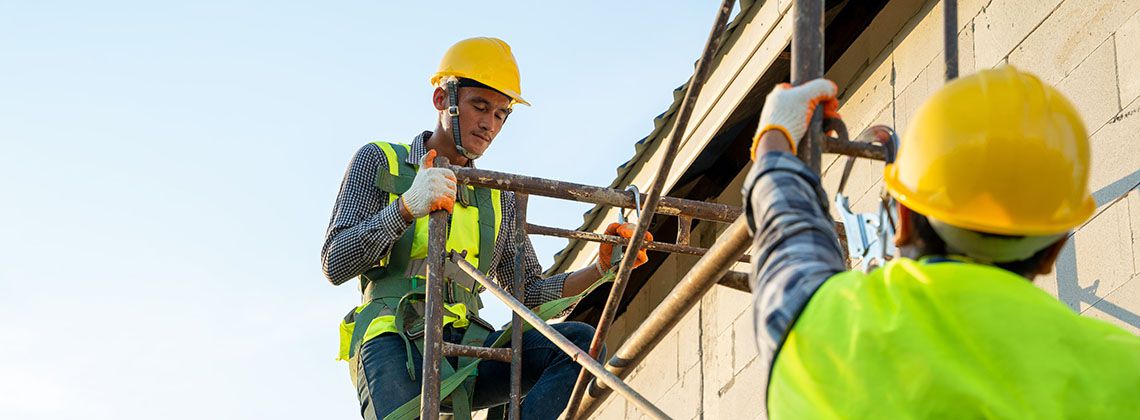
[(597, 381)]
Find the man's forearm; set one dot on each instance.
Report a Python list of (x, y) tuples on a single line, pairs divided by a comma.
[(794, 244), (580, 280)]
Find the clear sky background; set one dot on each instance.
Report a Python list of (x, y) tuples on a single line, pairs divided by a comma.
[(167, 172)]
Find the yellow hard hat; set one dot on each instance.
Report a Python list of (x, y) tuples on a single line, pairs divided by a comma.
[(996, 152), (485, 60)]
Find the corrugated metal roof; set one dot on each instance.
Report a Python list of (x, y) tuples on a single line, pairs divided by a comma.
[(662, 125)]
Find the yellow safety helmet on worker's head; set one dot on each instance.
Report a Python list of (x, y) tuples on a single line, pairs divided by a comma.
[(485, 60), (996, 152)]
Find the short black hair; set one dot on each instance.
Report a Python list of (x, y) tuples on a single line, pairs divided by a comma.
[(927, 242)]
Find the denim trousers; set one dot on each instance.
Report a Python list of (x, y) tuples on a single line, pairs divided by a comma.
[(548, 374)]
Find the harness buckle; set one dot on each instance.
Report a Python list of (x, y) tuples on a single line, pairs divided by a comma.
[(453, 111)]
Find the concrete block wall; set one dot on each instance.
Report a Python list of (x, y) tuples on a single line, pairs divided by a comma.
[(1088, 49)]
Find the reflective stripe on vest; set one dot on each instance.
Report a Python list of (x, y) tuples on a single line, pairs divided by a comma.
[(467, 228), (950, 340)]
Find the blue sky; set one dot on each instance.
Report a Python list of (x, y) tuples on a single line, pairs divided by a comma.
[(167, 172)]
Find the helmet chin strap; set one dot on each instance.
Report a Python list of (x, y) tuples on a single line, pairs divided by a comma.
[(453, 112)]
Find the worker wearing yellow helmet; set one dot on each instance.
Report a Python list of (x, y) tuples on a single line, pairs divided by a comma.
[(989, 180), (378, 233)]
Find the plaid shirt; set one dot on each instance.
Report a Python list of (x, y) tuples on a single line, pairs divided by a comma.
[(794, 249), (364, 226)]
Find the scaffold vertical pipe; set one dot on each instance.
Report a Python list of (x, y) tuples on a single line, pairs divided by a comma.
[(433, 317), (807, 65), (514, 412), (703, 68), (950, 34)]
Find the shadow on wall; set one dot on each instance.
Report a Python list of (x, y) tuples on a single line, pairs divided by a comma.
[(1069, 290)]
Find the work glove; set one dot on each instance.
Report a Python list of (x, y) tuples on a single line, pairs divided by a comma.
[(605, 251), (789, 109), (432, 189)]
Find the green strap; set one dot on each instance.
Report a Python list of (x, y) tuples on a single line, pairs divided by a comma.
[(463, 397), (406, 173), (411, 409), (486, 227), (360, 326), (405, 311)]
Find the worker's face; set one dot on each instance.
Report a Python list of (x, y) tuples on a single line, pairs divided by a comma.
[(482, 113)]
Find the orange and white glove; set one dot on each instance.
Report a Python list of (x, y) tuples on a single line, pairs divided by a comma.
[(432, 189), (789, 109), (605, 251)]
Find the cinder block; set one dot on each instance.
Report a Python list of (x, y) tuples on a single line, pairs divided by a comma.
[(613, 408), (908, 99), (1069, 35), (1104, 250), (1116, 148), (726, 354), (743, 342), (1121, 307), (742, 397), (689, 339), (864, 99), (1003, 24), (650, 380), (969, 9), (722, 307), (1128, 58), (919, 42), (682, 401), (966, 62), (1091, 86)]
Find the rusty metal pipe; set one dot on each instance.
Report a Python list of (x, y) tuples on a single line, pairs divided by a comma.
[(684, 229), (807, 65), (685, 295), (671, 206), (576, 354), (950, 37), (433, 319), (617, 240), (737, 280), (866, 150), (487, 353), (515, 407)]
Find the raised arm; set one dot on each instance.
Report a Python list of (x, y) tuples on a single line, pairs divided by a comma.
[(795, 248)]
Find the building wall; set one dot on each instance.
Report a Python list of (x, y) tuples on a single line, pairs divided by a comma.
[(1089, 49)]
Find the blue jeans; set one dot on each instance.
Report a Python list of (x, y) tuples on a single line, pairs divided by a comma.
[(548, 374)]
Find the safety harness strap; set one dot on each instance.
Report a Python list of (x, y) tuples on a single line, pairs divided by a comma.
[(483, 200)]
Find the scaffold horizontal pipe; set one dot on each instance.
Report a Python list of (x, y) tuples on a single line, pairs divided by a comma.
[(671, 206), (488, 353), (855, 148), (618, 240)]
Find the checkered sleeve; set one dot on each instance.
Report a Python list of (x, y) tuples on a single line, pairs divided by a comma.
[(794, 249), (364, 225), (538, 289)]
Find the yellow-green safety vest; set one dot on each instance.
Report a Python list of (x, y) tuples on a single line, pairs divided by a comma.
[(950, 340), (475, 222)]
